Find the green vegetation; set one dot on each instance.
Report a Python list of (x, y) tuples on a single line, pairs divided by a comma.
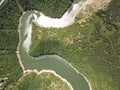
[(93, 48), (9, 15), (112, 14), (52, 8), (44, 81), (9, 66)]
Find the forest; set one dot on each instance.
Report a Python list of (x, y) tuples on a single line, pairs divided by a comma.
[(9, 66), (52, 8), (112, 14)]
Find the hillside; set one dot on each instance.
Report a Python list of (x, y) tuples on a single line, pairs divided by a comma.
[(91, 44)]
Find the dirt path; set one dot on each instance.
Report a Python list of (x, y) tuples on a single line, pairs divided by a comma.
[(18, 47)]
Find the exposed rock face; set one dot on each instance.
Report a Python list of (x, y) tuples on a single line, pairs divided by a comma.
[(91, 7), (99, 4)]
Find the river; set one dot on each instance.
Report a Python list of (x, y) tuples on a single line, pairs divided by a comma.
[(49, 62)]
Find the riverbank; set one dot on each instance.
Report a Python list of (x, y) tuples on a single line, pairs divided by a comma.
[(18, 47), (66, 20), (52, 72), (44, 80), (80, 74), (1, 2)]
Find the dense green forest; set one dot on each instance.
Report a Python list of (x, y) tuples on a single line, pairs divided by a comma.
[(93, 48), (9, 66), (52, 8), (9, 15), (44, 81), (112, 14)]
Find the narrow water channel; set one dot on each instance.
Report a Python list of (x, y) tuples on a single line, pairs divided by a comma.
[(47, 62)]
